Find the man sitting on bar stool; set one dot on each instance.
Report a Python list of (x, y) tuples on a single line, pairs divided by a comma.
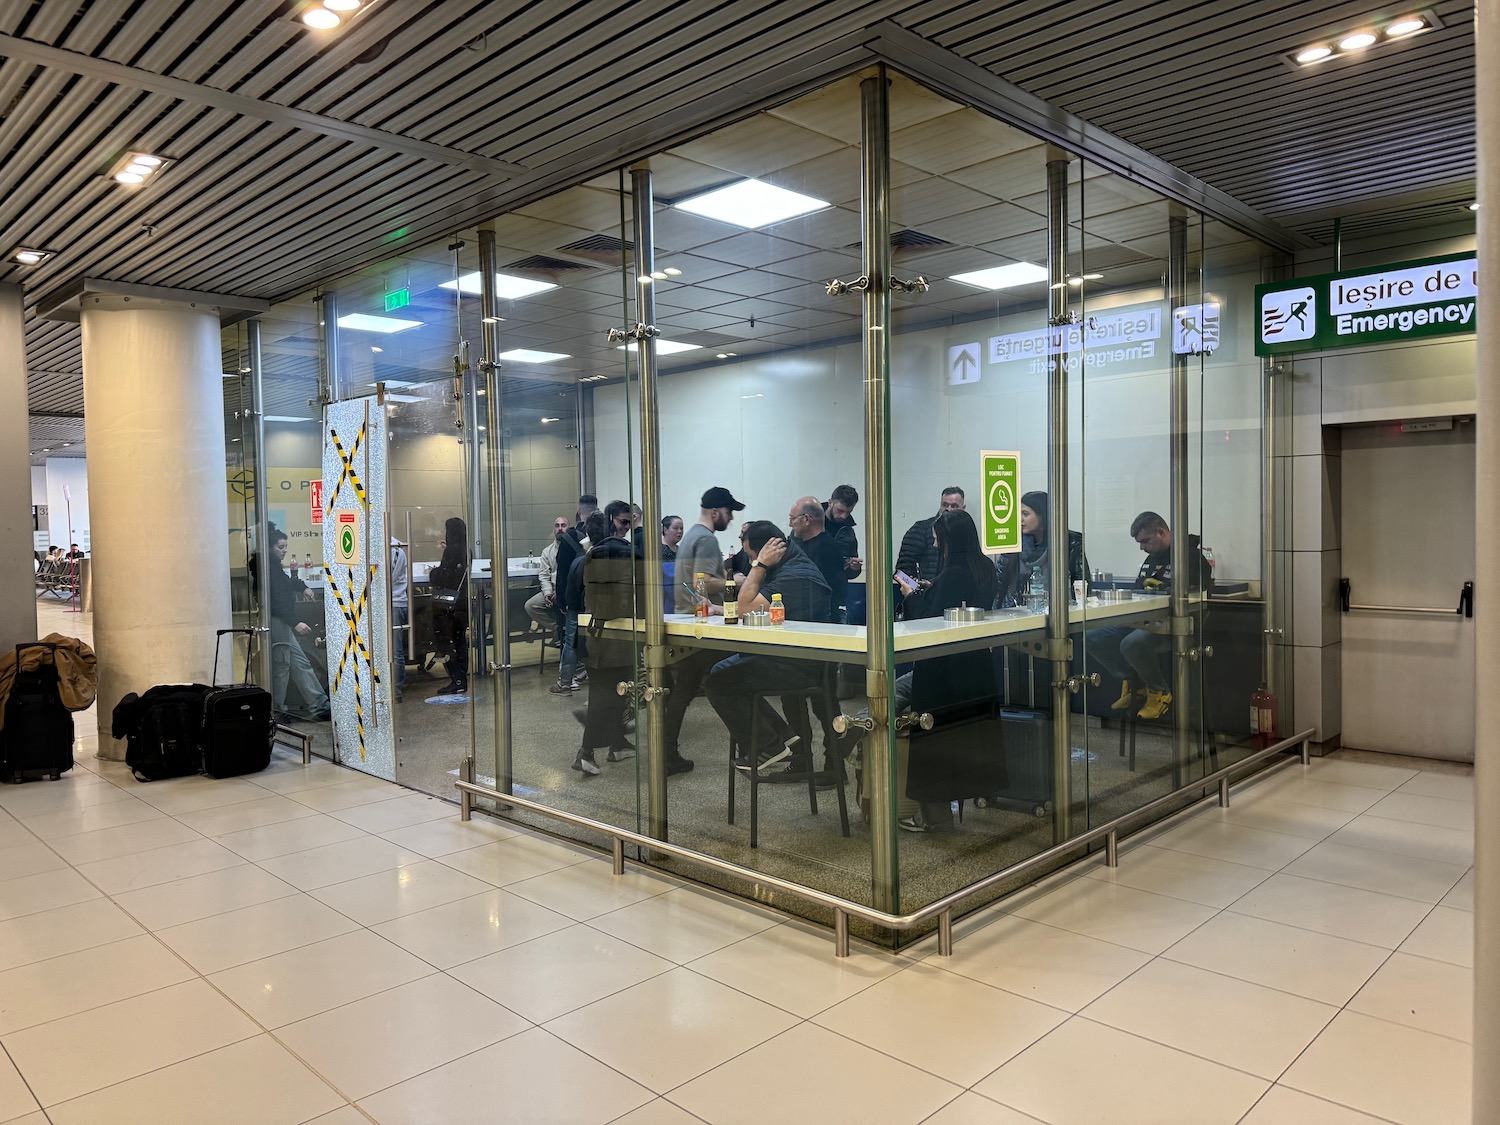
[(776, 567), (1134, 655)]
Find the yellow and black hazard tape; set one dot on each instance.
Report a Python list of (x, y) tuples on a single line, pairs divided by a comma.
[(353, 610), (348, 459)]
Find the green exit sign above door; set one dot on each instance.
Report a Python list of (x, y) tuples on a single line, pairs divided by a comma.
[(397, 300)]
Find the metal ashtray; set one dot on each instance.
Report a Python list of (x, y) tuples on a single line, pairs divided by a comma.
[(756, 617), (964, 613), (1117, 595)]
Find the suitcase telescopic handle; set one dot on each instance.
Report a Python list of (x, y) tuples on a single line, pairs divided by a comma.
[(219, 635)]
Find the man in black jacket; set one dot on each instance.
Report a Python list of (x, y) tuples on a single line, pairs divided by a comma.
[(918, 557)]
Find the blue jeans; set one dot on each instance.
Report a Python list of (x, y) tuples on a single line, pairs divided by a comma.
[(732, 682), (1130, 654), (398, 648), (568, 667)]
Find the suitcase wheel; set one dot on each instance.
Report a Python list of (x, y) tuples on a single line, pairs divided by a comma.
[(56, 775), (981, 802)]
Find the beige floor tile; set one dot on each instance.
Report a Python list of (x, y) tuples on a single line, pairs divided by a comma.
[(1319, 966), (671, 1028), (346, 1115), (394, 1035), (136, 870), (45, 890), (686, 923), (970, 1108), (1195, 878), (254, 1082), (1273, 814), (73, 1056), (1461, 897), (1342, 772), (1440, 812), (1441, 785), (110, 843), (658, 1112), (943, 1023), (586, 890), (14, 834), (15, 1099), (1428, 995), (1283, 1106), (287, 775), (62, 986), (549, 976), (256, 844), (1118, 914), (72, 794), (1406, 838), (347, 794), (1232, 842), (252, 932), (828, 1077), (1406, 876), (1444, 935), (92, 818), (202, 896), (269, 809), (339, 862), (1206, 1014), (435, 838), (1052, 966), (29, 858), (315, 978), (403, 811), (1331, 908), (65, 929), (178, 795), (404, 890), (547, 1082), (1320, 794), (1391, 1071), (520, 857), (793, 967), (469, 928), (1125, 1081)]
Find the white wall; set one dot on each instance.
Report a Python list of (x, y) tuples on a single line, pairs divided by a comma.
[(772, 429), (38, 484), (70, 473)]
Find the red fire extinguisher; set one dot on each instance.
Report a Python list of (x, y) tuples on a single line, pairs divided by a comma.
[(1263, 717)]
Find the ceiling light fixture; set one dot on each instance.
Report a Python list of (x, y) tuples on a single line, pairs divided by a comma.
[(365, 322), (26, 256), (546, 420), (341, 5), (507, 286), (1474, 206), (1002, 277), (320, 19), (136, 167), (665, 347), (1357, 40), (1313, 54), (1407, 25), (529, 355), (285, 418), (670, 272), (751, 204)]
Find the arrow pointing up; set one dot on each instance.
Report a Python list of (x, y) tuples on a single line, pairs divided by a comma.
[(964, 363)]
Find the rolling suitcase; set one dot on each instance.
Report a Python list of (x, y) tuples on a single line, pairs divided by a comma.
[(38, 737), (237, 725), (1028, 784)]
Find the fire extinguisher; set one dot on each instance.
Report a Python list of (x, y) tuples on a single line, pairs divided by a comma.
[(1263, 718)]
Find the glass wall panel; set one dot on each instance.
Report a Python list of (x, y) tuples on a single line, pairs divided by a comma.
[(241, 468)]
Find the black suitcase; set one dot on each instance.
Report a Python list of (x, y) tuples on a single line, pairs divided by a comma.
[(1028, 764), (38, 737), (961, 758), (238, 729), (163, 730)]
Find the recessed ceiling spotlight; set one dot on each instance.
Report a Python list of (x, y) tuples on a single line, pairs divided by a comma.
[(492, 319), (26, 256), (373, 348), (1359, 39), (670, 272), (1357, 42), (1474, 206), (546, 420), (1313, 54), (659, 275), (128, 177), (1406, 25), (751, 204), (320, 19), (136, 167)]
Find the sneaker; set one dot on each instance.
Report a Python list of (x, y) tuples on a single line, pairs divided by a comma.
[(826, 780), (562, 689), (1157, 704), (577, 684), (911, 824), (621, 753), (581, 678), (1127, 697), (584, 763), (676, 763), (766, 760)]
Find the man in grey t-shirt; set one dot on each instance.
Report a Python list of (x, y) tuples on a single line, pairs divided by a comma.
[(698, 553)]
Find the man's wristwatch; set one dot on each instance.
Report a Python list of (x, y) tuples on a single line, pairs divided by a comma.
[(758, 563)]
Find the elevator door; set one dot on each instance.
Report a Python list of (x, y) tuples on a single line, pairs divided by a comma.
[(1407, 541)]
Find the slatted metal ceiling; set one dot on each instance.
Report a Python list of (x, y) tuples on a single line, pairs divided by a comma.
[(266, 201)]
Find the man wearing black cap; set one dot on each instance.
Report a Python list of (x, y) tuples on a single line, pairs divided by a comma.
[(697, 553)]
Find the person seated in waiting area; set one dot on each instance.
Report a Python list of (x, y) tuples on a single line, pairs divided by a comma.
[(777, 566), (1134, 654), (1013, 572)]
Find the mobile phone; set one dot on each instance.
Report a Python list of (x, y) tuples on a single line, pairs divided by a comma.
[(905, 581)]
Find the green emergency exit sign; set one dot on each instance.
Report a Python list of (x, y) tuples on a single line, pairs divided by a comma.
[(397, 300)]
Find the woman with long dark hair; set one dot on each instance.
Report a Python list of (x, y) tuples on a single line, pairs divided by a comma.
[(450, 609), (1013, 572)]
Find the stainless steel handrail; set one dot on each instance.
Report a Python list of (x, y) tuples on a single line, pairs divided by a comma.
[(1404, 609), (292, 734), (842, 908)]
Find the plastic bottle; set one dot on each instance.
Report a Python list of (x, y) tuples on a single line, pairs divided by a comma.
[(778, 611), (731, 604), (1036, 592), (700, 587)]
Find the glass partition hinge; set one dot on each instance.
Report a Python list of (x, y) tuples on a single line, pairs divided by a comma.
[(861, 284), (639, 332)]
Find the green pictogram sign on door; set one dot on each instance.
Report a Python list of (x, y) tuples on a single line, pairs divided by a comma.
[(346, 536), (1000, 471)]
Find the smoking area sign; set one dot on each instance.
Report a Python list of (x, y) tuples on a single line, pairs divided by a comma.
[(1000, 471), (315, 501), (346, 536)]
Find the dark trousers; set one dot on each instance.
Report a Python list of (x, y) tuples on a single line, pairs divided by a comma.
[(604, 723), (732, 682), (688, 675)]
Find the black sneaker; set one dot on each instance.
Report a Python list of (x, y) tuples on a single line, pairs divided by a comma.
[(622, 752), (797, 770), (768, 759), (584, 763), (825, 780), (676, 763)]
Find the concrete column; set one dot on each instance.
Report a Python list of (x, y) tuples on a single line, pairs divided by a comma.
[(153, 399), (17, 583), (1487, 579)]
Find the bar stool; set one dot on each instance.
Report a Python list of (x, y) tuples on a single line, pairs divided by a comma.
[(824, 688)]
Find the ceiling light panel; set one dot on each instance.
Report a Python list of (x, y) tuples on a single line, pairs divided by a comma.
[(1003, 277), (751, 204), (365, 322), (508, 287), (665, 347), (529, 355)]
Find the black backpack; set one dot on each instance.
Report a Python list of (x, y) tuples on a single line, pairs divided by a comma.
[(163, 730)]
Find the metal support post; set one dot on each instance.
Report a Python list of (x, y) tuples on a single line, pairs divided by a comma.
[(499, 541), (1059, 583), (840, 934), (1112, 849), (1223, 792), (1269, 513), (1182, 640), (465, 798), (656, 631), (945, 934), (879, 745), (262, 624)]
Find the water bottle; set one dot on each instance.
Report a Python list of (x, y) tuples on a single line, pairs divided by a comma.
[(1036, 592)]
